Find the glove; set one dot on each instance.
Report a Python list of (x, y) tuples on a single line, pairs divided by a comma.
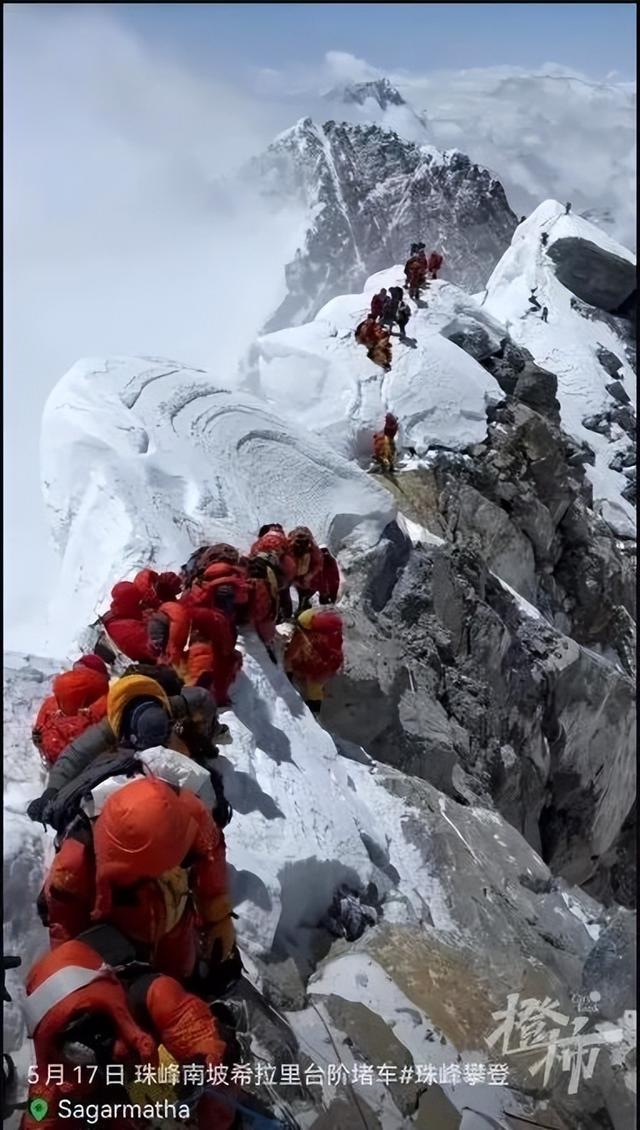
[(37, 809), (219, 936)]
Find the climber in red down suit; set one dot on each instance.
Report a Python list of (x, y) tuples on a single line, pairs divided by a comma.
[(78, 700), (80, 1011), (153, 865), (316, 570), (132, 603), (314, 653)]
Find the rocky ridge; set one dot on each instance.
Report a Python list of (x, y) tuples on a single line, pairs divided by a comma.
[(369, 192)]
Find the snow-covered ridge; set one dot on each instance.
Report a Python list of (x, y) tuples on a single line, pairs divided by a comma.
[(440, 393), (569, 343), (368, 192), (546, 132), (145, 459)]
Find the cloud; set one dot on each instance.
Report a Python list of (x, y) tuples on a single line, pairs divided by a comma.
[(344, 67), (115, 240)]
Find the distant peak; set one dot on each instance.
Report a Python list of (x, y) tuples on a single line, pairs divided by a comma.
[(379, 89)]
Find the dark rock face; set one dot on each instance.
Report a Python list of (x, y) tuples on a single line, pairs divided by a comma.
[(617, 391), (512, 366), (610, 968), (374, 195), (596, 276), (453, 683), (448, 678), (609, 361), (621, 414), (624, 459), (473, 338), (380, 90)]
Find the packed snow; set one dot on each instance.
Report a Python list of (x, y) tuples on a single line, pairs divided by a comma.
[(567, 344), (319, 375), (306, 819), (143, 460)]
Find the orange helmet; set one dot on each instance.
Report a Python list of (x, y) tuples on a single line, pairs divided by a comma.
[(142, 831)]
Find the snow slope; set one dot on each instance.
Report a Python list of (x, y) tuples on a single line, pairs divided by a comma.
[(145, 459), (308, 817), (318, 374), (567, 344)]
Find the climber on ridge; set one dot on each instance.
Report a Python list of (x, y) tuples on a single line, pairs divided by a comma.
[(102, 1009), (384, 446), (377, 303), (390, 308), (152, 863), (376, 340), (329, 582), (132, 602), (266, 580), (545, 313), (403, 314), (314, 653), (78, 699), (272, 539), (139, 715), (198, 633), (434, 263), (415, 271)]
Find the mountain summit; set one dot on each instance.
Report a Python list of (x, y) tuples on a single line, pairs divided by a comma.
[(380, 90), (369, 195)]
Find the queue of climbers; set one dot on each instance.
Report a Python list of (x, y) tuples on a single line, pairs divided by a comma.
[(136, 900), (388, 307)]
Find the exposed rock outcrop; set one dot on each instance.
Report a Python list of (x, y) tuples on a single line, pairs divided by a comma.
[(370, 193), (593, 274)]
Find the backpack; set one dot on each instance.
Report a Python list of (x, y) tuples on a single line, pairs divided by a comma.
[(66, 807)]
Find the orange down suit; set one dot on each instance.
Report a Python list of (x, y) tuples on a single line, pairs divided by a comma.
[(134, 876), (314, 653), (79, 699), (132, 603), (173, 1018)]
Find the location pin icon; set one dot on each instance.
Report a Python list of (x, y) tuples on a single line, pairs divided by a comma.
[(38, 1108)]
